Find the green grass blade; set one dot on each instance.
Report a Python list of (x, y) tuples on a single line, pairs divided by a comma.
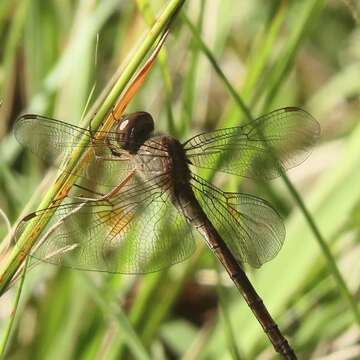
[(8, 63), (127, 331), (311, 222), (145, 8), (228, 327), (303, 19), (29, 236), (7, 333), (259, 57)]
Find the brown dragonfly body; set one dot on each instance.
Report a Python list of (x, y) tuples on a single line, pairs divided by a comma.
[(183, 197), (145, 198)]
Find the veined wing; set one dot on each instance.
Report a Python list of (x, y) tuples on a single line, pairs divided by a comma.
[(53, 140), (137, 231), (289, 132), (251, 228)]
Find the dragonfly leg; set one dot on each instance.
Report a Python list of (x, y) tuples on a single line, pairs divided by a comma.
[(109, 158), (92, 138), (88, 190), (107, 196), (91, 130), (214, 247), (113, 113), (120, 186)]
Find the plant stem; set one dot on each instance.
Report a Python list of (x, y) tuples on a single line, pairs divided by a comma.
[(63, 183), (8, 329)]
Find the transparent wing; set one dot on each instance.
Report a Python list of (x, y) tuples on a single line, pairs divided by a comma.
[(53, 140), (136, 231), (251, 228), (290, 132)]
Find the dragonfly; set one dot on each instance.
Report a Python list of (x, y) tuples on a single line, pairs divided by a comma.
[(138, 203)]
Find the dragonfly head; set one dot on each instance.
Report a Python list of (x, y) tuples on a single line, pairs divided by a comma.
[(134, 129)]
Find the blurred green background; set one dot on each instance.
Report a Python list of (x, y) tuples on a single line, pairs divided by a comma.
[(275, 53)]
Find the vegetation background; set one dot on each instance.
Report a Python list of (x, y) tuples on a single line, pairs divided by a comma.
[(274, 53)]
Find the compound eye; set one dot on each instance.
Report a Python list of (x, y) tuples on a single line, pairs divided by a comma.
[(134, 129)]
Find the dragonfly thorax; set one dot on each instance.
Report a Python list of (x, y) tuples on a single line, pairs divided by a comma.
[(178, 164), (163, 155), (133, 130)]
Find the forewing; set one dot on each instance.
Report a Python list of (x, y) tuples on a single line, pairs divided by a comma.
[(289, 132), (54, 140), (251, 228), (137, 231)]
